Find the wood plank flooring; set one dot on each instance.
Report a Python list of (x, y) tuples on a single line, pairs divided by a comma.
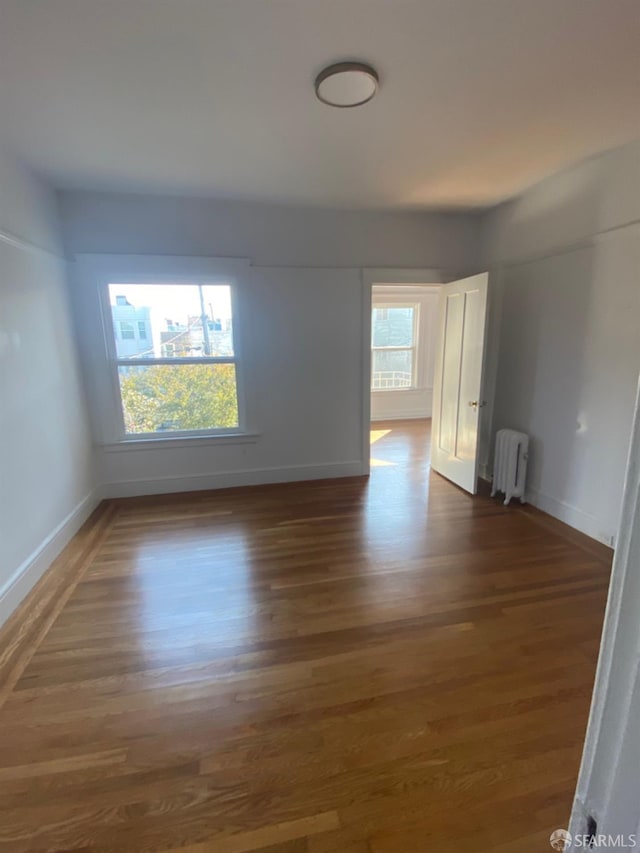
[(382, 666)]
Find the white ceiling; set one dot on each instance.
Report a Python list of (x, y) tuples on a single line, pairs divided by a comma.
[(478, 98)]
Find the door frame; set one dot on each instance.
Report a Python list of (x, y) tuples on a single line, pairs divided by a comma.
[(390, 277), (609, 769)]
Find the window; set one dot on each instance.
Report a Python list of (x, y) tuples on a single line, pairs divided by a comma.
[(179, 375), (393, 345), (126, 331)]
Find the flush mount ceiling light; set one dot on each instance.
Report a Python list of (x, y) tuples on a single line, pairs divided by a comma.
[(346, 84)]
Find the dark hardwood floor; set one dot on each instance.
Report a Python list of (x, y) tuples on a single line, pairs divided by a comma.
[(347, 666)]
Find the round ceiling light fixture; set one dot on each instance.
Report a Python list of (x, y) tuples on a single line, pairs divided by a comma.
[(347, 84)]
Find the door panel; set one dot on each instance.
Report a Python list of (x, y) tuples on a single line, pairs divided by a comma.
[(458, 380), (451, 352)]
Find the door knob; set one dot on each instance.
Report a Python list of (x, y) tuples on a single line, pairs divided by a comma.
[(477, 404)]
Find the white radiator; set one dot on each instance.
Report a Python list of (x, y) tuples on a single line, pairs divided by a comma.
[(510, 464)]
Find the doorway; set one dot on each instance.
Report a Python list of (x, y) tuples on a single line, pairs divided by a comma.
[(403, 332), (425, 358)]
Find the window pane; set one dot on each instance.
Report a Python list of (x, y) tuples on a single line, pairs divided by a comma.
[(169, 397), (393, 326), (172, 320), (392, 369), (126, 331)]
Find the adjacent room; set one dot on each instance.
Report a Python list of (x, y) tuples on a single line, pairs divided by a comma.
[(319, 358), (403, 337)]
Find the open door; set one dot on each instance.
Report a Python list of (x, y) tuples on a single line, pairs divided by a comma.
[(457, 386)]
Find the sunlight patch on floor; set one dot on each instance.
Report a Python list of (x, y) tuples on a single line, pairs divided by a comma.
[(376, 435)]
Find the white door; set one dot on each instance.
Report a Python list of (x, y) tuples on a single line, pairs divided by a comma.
[(457, 386)]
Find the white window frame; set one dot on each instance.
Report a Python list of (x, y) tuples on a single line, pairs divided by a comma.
[(90, 280), (385, 303), (117, 361)]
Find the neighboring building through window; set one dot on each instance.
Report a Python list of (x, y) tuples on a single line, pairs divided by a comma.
[(175, 357), (393, 346), (127, 320)]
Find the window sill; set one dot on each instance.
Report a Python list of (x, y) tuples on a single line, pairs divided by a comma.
[(394, 390), (129, 444)]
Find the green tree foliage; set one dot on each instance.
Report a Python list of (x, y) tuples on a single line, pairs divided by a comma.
[(179, 397)]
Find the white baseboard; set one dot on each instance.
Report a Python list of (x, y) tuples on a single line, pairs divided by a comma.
[(410, 403), (231, 479), (570, 515), (25, 577)]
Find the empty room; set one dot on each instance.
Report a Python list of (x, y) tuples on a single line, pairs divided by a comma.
[(319, 427)]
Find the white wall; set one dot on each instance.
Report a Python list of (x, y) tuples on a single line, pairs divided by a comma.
[(298, 339), (46, 478), (302, 319), (566, 259), (414, 402), (269, 235)]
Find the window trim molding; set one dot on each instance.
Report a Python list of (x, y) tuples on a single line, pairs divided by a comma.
[(115, 362), (90, 276), (193, 439)]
